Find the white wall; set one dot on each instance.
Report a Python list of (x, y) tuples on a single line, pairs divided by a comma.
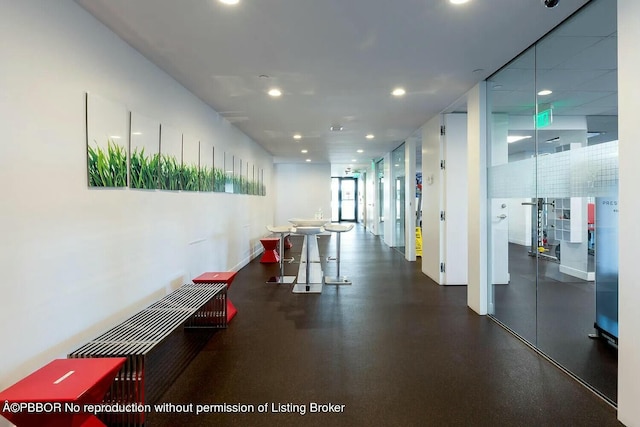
[(629, 233), (387, 207), (519, 221), (362, 198), (75, 260), (376, 227), (372, 202), (301, 189)]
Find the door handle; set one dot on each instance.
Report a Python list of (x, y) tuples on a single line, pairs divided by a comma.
[(503, 216)]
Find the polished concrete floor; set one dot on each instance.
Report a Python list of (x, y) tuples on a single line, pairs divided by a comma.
[(393, 349)]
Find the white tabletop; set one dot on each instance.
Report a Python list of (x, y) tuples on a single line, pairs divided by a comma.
[(338, 228), (299, 222), (279, 228), (307, 230)]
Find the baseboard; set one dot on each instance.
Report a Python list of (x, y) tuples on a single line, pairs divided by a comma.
[(589, 276), (257, 250)]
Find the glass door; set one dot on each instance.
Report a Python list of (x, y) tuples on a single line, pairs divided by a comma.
[(513, 202), (344, 197), (348, 208), (553, 187)]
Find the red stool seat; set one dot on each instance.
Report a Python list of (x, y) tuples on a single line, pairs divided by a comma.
[(225, 277), (270, 254), (62, 382)]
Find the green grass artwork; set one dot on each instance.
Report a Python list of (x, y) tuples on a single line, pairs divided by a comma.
[(107, 169), (189, 177), (218, 180), (206, 179), (144, 170), (169, 173)]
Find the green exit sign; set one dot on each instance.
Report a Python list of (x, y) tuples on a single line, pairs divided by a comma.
[(544, 118)]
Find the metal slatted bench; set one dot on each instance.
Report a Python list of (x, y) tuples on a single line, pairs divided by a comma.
[(158, 342)]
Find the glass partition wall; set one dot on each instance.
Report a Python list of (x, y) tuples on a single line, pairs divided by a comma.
[(398, 176), (553, 185)]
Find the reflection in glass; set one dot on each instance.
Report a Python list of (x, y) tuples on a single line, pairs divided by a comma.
[(553, 164)]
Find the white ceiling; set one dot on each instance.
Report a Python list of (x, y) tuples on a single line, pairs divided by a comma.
[(578, 62), (336, 62)]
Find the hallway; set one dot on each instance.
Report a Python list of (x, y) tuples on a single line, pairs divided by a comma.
[(394, 348)]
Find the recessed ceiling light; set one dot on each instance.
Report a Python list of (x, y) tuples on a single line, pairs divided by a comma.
[(230, 2), (297, 136), (275, 92), (544, 92), (361, 151), (308, 160), (398, 91), (337, 128), (304, 151), (458, 1), (353, 160), (516, 138), (370, 136)]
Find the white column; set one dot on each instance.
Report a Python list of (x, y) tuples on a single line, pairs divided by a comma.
[(373, 204), (629, 225), (477, 296), (389, 236)]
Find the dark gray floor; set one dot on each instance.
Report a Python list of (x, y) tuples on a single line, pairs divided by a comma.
[(557, 313), (394, 348)]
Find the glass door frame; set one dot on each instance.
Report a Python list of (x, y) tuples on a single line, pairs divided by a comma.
[(354, 217)]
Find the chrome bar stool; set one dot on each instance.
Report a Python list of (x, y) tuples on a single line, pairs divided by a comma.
[(338, 229), (282, 230)]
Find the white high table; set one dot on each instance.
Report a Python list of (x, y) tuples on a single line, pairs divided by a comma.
[(312, 275), (282, 230)]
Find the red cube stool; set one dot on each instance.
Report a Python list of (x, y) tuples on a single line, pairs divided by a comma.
[(270, 254), (225, 277), (58, 392)]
